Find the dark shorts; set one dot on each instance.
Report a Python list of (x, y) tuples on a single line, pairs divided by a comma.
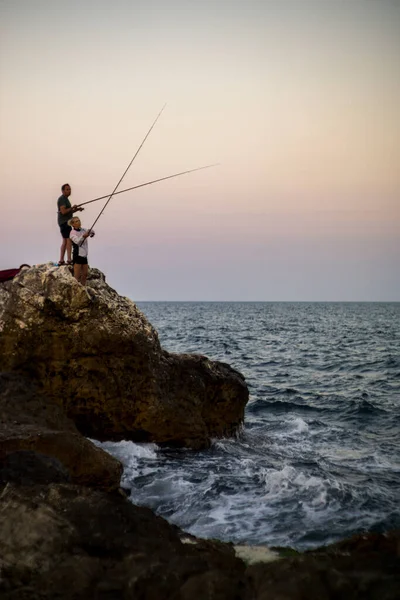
[(80, 260), (65, 230)]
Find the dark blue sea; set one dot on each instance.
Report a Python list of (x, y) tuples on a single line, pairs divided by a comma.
[(319, 455)]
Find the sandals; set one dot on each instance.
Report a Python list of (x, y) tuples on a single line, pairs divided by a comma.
[(61, 263), (70, 262)]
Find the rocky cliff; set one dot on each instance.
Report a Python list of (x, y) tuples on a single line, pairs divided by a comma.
[(95, 353)]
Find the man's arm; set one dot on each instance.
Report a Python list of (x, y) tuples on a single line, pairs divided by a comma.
[(69, 211)]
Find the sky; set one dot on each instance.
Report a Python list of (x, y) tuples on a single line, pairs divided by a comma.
[(296, 100)]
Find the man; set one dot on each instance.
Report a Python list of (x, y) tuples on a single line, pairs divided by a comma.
[(65, 212)]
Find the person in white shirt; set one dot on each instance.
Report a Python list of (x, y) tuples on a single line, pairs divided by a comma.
[(79, 238)]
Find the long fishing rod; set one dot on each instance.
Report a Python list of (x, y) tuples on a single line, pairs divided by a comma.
[(135, 187), (127, 168)]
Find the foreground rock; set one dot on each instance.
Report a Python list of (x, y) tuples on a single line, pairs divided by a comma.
[(64, 541), (69, 542), (37, 438), (94, 351)]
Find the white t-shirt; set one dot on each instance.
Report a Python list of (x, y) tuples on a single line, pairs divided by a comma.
[(79, 246)]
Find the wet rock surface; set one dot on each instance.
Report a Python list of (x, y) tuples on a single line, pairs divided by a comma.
[(94, 352)]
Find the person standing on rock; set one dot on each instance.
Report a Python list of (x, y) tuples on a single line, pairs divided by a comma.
[(79, 239), (65, 212)]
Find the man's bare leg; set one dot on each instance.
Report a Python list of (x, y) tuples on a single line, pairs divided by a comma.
[(63, 248), (69, 250)]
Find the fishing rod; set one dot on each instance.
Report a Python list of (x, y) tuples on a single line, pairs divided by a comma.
[(127, 168), (135, 187)]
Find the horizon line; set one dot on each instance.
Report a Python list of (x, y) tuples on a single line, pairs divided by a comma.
[(282, 301)]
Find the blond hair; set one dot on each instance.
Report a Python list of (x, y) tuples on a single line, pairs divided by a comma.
[(71, 221)]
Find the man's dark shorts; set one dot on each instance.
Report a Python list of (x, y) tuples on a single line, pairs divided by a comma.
[(65, 230), (80, 260)]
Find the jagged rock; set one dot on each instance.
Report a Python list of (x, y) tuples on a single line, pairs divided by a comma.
[(38, 443), (96, 353), (63, 541)]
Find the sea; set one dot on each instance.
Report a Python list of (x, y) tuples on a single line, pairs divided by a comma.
[(318, 457)]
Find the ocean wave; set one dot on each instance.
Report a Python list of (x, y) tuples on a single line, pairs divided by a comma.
[(281, 406), (318, 457)]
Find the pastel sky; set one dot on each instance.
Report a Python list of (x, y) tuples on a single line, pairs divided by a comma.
[(298, 100)]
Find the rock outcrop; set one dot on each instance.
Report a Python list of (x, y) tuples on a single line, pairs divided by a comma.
[(36, 436), (95, 353), (65, 541)]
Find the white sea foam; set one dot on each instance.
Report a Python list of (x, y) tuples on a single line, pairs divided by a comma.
[(132, 456), (288, 482), (297, 425), (126, 449)]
